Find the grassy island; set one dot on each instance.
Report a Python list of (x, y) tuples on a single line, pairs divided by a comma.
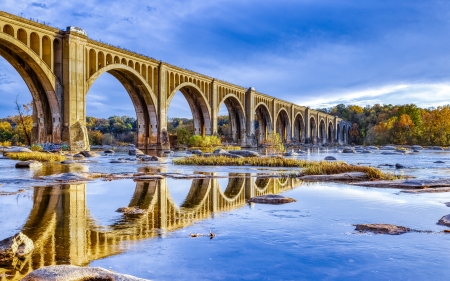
[(37, 156), (308, 167)]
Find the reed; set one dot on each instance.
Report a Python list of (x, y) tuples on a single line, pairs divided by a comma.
[(308, 167), (38, 156), (211, 149)]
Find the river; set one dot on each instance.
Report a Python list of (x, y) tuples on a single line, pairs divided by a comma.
[(311, 239)]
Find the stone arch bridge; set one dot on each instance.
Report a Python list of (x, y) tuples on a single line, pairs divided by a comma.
[(60, 66)]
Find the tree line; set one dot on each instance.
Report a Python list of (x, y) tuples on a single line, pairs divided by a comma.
[(395, 124)]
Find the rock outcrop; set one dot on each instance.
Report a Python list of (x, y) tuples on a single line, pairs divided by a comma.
[(382, 228), (76, 273), (244, 153), (18, 246), (30, 164), (271, 199)]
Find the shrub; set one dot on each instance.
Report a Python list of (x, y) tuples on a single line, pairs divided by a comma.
[(274, 143), (38, 156), (206, 141), (36, 147), (95, 137)]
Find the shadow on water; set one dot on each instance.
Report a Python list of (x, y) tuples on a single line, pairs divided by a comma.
[(64, 232)]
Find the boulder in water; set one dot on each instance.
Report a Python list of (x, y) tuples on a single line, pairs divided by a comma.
[(271, 199), (399, 166), (219, 151), (330, 158), (387, 147), (18, 246), (75, 273), (30, 164), (244, 153), (89, 153), (348, 150), (382, 228), (445, 220)]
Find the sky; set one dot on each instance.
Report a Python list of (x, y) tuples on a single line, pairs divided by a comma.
[(316, 53)]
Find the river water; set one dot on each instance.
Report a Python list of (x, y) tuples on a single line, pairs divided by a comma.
[(311, 239)]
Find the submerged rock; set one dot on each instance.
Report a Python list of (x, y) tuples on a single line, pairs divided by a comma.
[(149, 158), (399, 166), (439, 162), (28, 164), (445, 220), (416, 147), (271, 199), (348, 150), (330, 158), (391, 153), (18, 246), (381, 228), (76, 273)]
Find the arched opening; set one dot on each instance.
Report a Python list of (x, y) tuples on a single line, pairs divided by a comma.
[(8, 30), (313, 130), (92, 62), (299, 129), (101, 60), (113, 116), (231, 120), (330, 136), (264, 122), (322, 132), (22, 36), (199, 110), (47, 51), (124, 61), (57, 58), (45, 114), (35, 43), (284, 126), (109, 59)]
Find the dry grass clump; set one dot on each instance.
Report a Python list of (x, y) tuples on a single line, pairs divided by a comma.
[(38, 156), (211, 149), (308, 167)]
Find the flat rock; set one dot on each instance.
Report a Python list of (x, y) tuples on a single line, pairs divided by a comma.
[(387, 147), (291, 153), (196, 152), (219, 151), (89, 153), (372, 147), (381, 228), (131, 211), (391, 153), (72, 177), (28, 164), (416, 147), (408, 183), (445, 220), (18, 246), (18, 149), (109, 151), (76, 273), (351, 176), (348, 150), (428, 190), (271, 199), (149, 158), (244, 153), (365, 151), (330, 158), (435, 148), (439, 162)]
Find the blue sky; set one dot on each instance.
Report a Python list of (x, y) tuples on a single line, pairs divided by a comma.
[(312, 52)]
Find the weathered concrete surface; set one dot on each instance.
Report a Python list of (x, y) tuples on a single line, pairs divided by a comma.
[(18, 245), (75, 273), (351, 176), (381, 228), (271, 199)]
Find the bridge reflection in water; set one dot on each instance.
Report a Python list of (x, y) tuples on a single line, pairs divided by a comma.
[(64, 232)]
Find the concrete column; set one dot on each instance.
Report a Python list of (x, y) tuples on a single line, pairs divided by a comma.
[(214, 107), (75, 59), (250, 117), (163, 135), (307, 126), (274, 117)]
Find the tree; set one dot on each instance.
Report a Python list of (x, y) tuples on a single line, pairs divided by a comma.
[(24, 111)]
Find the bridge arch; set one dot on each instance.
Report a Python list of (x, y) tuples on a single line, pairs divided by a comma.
[(41, 82), (236, 115), (201, 111), (283, 125), (299, 128), (264, 119), (142, 97)]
